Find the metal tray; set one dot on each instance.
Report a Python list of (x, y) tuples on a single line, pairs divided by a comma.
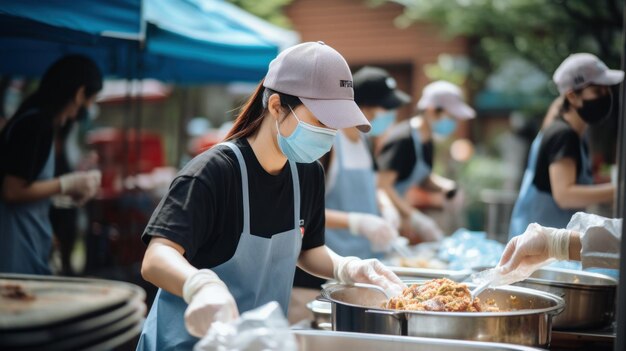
[(58, 300), (309, 340), (44, 336)]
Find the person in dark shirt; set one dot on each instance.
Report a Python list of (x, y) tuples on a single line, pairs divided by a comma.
[(558, 180), (27, 163), (240, 216), (406, 156)]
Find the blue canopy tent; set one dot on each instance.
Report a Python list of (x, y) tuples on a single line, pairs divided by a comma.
[(33, 34), (185, 41)]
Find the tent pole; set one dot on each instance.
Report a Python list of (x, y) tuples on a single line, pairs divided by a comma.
[(620, 342), (182, 126)]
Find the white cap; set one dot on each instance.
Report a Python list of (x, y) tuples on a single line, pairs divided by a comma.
[(448, 96), (581, 70)]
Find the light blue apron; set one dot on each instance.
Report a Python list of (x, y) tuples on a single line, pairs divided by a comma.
[(260, 271), (421, 170), (26, 232), (534, 205), (354, 191)]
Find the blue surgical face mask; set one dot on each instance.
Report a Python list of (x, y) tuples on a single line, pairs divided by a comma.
[(307, 143), (445, 126), (382, 121)]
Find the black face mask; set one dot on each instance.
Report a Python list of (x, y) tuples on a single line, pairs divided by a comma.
[(596, 110)]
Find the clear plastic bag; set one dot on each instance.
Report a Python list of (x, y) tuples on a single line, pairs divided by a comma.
[(470, 250), (262, 329)]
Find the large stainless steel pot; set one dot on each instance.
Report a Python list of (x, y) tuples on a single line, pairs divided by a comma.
[(357, 309), (589, 297), (314, 340)]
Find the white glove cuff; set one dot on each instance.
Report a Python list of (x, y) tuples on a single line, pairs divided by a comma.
[(353, 222), (63, 182), (339, 271), (558, 244), (198, 280)]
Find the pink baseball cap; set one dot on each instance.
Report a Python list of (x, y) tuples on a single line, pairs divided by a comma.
[(321, 78), (579, 70), (448, 96)]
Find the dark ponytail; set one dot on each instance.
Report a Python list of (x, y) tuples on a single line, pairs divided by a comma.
[(61, 82), (252, 112)]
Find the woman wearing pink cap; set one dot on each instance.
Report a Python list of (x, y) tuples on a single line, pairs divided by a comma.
[(407, 152), (240, 216)]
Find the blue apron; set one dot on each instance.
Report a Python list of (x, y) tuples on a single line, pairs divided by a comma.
[(421, 170), (354, 191), (260, 271), (26, 232), (534, 205)]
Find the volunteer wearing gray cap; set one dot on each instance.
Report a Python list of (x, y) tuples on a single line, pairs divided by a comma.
[(558, 180), (239, 217), (407, 152)]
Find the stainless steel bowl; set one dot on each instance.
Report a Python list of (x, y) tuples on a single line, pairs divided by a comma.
[(309, 340), (589, 297), (357, 309)]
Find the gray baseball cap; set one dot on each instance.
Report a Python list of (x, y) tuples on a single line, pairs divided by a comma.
[(321, 78), (580, 70), (448, 96)]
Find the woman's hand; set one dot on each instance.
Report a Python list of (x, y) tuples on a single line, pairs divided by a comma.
[(537, 245), (209, 301), (351, 270)]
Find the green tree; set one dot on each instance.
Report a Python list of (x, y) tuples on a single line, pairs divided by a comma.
[(543, 32), (269, 10)]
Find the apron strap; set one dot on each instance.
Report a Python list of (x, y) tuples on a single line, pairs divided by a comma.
[(296, 194), (417, 144), (338, 146), (244, 185)]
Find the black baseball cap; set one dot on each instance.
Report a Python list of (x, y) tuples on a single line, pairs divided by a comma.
[(374, 86)]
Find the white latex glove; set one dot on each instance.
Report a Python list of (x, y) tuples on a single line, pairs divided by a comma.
[(350, 270), (425, 227), (81, 186), (374, 228), (388, 211), (537, 246), (209, 301)]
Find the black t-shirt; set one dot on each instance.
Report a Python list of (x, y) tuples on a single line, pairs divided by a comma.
[(398, 151), (25, 145), (203, 210), (559, 141)]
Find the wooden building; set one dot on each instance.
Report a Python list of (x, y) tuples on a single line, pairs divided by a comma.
[(366, 35)]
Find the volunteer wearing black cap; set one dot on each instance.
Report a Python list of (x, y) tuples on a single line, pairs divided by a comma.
[(407, 153), (354, 225), (558, 180)]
